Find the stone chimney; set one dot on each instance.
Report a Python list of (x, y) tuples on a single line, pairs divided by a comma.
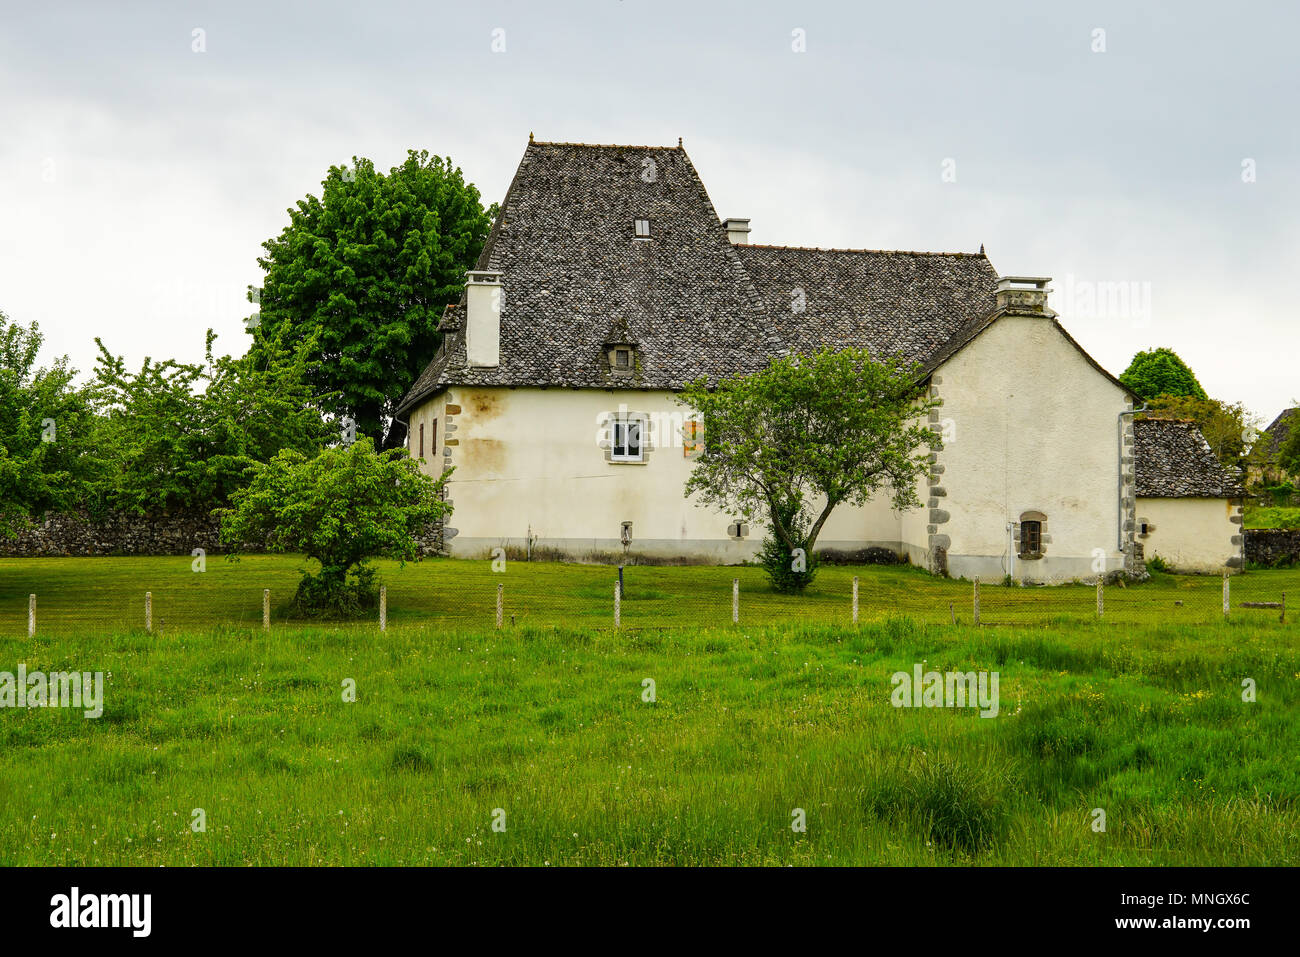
[(1026, 295), (483, 318), (737, 231)]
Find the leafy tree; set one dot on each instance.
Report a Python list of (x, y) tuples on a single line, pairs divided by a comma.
[(805, 435), (44, 423), (1160, 372), (340, 508), (189, 434), (366, 269)]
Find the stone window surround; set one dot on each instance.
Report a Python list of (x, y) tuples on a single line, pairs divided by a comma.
[(1044, 539), (606, 442)]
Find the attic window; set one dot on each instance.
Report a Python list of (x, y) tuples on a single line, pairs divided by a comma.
[(643, 229), (621, 358)]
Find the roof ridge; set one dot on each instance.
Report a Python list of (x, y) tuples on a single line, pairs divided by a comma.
[(605, 146), (837, 249)]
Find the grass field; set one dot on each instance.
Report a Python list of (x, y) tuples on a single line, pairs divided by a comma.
[(79, 594), (546, 721), (1274, 516)]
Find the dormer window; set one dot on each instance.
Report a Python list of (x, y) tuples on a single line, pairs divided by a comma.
[(621, 357), (643, 229)]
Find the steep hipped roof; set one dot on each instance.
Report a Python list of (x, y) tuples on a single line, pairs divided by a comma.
[(1172, 460), (903, 303), (572, 271), (694, 303)]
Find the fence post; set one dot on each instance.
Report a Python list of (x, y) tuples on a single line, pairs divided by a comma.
[(266, 608), (855, 599), (148, 611), (735, 601), (1101, 601), (618, 605), (31, 616), (500, 602), (383, 607), (977, 601), (1227, 602)]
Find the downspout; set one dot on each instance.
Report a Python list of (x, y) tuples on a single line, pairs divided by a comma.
[(1119, 502)]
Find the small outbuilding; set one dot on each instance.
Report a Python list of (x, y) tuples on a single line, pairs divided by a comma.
[(1189, 508)]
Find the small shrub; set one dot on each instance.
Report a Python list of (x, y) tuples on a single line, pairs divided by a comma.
[(1157, 564), (335, 593), (777, 559)]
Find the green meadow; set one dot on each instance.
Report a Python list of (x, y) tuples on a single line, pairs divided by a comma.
[(544, 727), (74, 595)]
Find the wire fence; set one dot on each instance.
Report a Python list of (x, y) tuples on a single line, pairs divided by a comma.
[(158, 596)]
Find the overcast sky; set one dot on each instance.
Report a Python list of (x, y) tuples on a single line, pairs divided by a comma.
[(1149, 145)]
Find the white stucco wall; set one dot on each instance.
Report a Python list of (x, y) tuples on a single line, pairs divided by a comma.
[(1191, 534), (1033, 426), (1030, 423), (528, 462)]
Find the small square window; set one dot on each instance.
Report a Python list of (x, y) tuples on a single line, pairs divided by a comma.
[(627, 441), (622, 358), (643, 229)]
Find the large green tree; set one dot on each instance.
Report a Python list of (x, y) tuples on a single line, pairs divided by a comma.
[(367, 269), (790, 444), (44, 421), (1161, 372), (339, 508)]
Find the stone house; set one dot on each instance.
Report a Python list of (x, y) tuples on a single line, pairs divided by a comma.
[(609, 281)]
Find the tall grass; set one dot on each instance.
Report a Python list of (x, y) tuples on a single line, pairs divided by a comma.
[(548, 725)]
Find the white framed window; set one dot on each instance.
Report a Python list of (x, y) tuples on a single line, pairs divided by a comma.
[(627, 441), (643, 229)]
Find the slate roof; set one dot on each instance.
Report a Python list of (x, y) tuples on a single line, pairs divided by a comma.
[(574, 278), (904, 303), (1173, 460)]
